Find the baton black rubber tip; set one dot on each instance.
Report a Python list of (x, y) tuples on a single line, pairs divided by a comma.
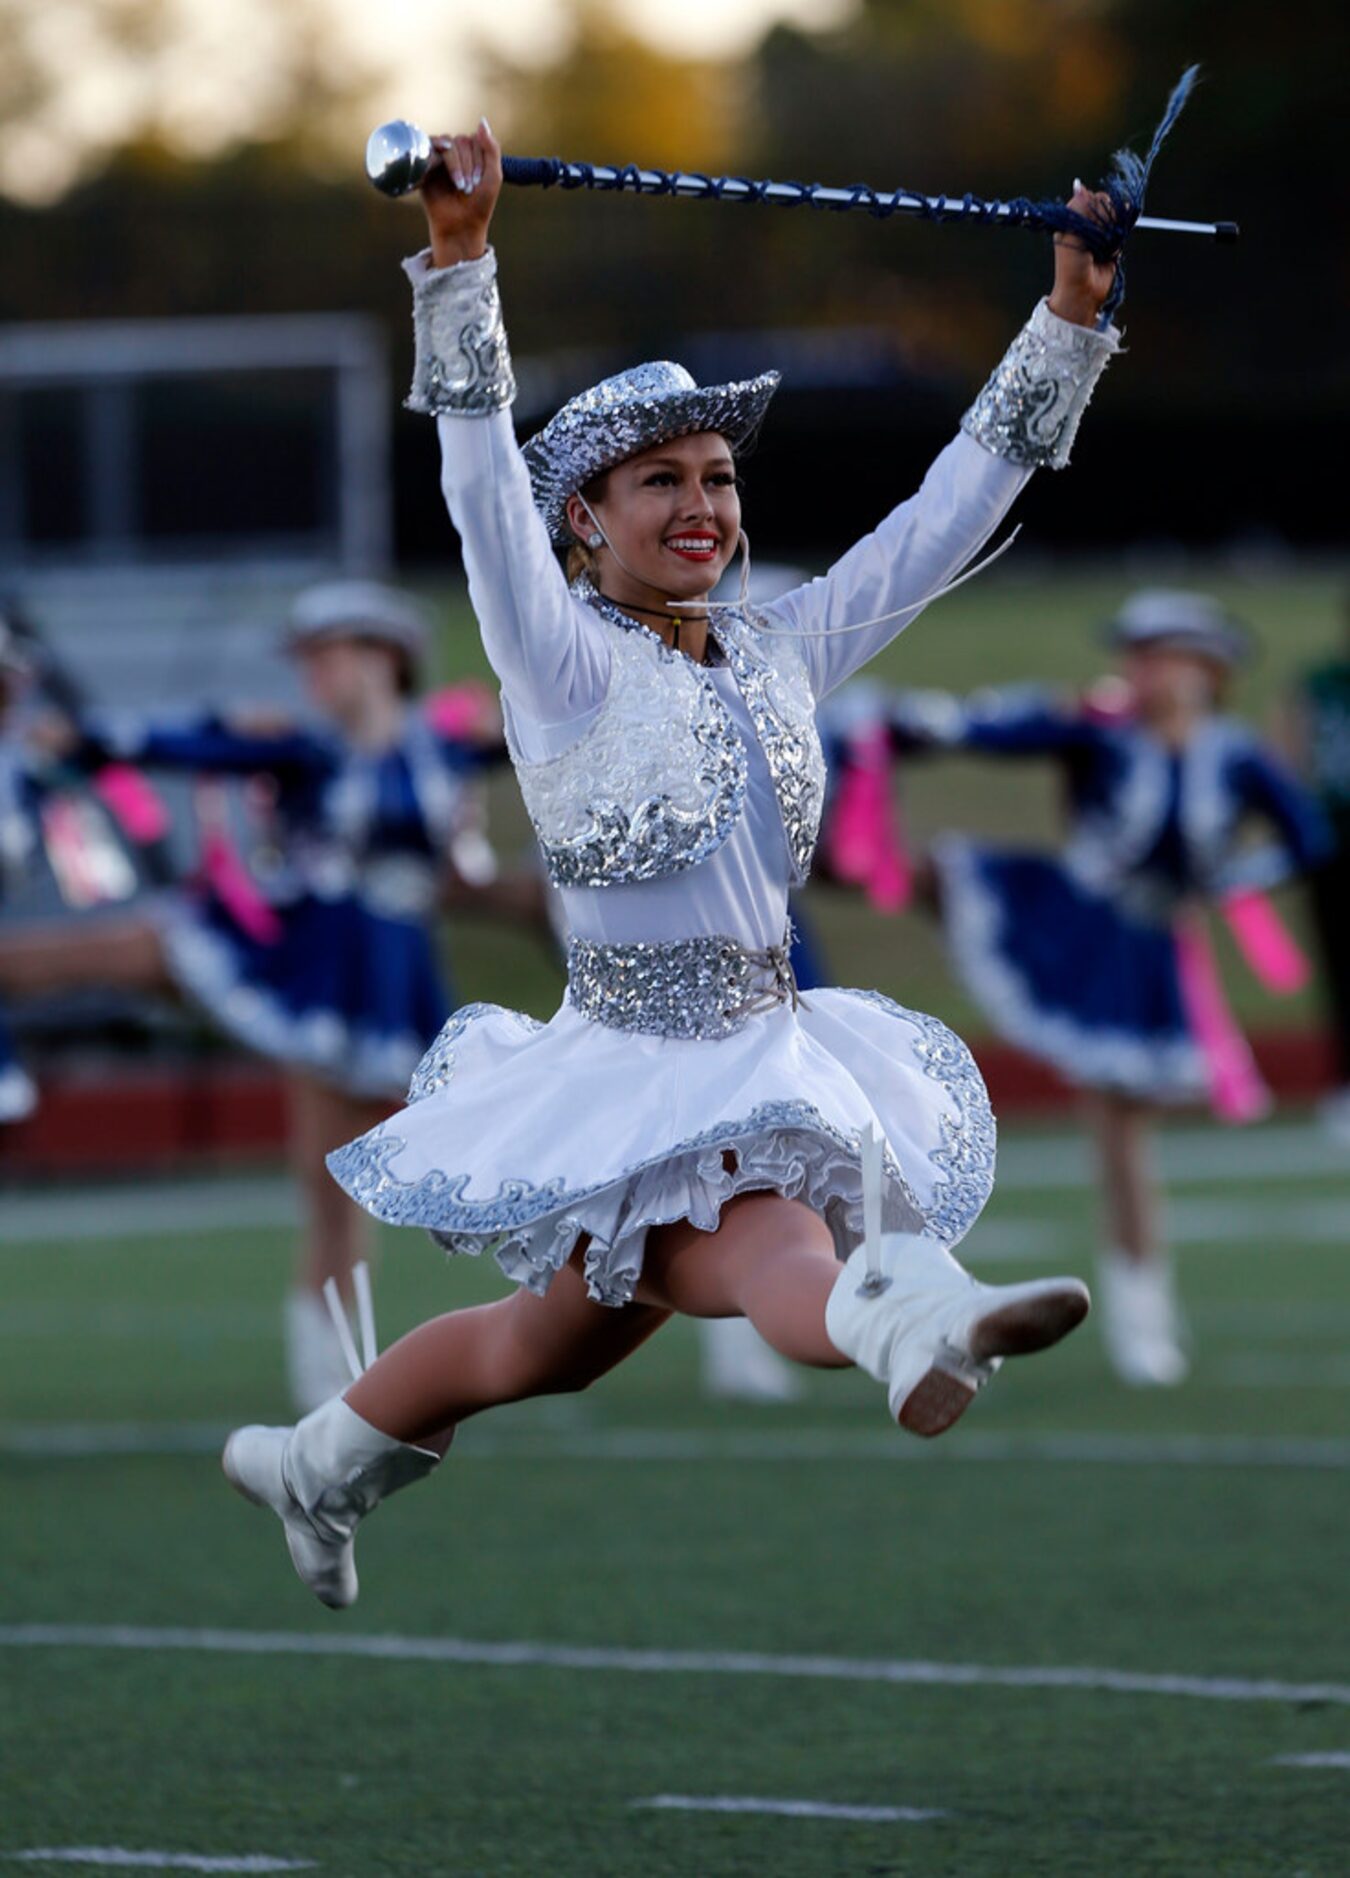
[(1225, 231)]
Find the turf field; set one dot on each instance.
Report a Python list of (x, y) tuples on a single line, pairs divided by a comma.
[(1088, 1632)]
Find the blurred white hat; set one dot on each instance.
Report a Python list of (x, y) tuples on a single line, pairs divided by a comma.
[(359, 609), (1191, 622)]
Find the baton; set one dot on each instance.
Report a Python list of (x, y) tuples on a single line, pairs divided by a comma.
[(399, 154)]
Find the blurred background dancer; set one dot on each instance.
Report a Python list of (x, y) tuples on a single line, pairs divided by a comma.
[(325, 962), (1097, 961)]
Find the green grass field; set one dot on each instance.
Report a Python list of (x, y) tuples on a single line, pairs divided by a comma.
[(1067, 1525)]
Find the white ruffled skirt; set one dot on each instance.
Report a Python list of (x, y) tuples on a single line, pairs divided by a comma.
[(521, 1137)]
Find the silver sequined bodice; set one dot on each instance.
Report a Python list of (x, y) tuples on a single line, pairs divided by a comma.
[(657, 781)]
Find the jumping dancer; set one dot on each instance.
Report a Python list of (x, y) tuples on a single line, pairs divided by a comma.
[(685, 1134)]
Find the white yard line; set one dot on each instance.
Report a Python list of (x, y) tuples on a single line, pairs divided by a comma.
[(87, 1441), (1060, 1162), (1339, 1758), (179, 1206), (787, 1809), (119, 1856), (1257, 1370), (527, 1654), (79, 1441), (119, 1321), (1279, 1151), (1191, 1221)]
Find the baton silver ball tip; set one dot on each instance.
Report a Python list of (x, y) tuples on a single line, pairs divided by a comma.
[(398, 156)]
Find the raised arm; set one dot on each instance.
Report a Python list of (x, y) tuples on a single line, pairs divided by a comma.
[(548, 651), (1010, 721), (1027, 415), (198, 741)]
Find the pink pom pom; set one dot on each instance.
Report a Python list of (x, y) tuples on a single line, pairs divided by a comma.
[(1266, 942)]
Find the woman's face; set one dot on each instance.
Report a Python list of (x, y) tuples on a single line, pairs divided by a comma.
[(672, 515), (340, 674), (1166, 678)]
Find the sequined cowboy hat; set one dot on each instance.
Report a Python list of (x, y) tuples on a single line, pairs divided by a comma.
[(629, 413), (358, 609), (1188, 622)]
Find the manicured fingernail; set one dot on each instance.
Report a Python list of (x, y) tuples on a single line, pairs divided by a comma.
[(1077, 184), (477, 174), (484, 125)]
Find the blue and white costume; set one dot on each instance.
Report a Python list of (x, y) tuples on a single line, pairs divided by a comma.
[(350, 990), (1073, 958), (676, 804), (19, 797)]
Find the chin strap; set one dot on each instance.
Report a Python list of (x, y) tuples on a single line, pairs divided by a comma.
[(676, 606)]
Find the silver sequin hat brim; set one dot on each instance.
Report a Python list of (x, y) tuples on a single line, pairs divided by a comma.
[(623, 416)]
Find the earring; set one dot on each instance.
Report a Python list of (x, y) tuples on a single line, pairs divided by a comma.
[(595, 540)]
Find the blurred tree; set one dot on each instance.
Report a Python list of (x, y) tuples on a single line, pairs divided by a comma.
[(1216, 424), (1016, 96), (614, 97), (81, 79)]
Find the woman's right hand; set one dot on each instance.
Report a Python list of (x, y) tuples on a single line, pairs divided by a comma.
[(459, 194)]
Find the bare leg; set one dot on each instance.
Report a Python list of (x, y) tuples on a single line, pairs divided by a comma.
[(1141, 1323), (123, 955), (457, 1365), (927, 884), (771, 1260), (1122, 1133), (337, 1233)]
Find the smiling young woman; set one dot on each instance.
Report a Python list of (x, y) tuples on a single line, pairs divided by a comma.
[(686, 1133)]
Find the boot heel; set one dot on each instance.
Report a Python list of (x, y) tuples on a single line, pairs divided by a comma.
[(935, 1402)]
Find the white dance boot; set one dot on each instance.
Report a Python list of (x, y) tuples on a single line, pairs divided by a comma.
[(739, 1366), (1142, 1326), (316, 1367), (917, 1321), (321, 1478), (324, 1475)]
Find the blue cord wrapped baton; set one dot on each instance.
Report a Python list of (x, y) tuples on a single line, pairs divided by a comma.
[(398, 156)]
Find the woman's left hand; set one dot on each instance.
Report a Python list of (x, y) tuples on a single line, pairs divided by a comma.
[(1082, 282)]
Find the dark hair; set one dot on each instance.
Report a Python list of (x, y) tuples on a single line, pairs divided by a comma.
[(405, 665), (581, 559)]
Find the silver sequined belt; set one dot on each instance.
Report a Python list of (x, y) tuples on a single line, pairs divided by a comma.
[(703, 988)]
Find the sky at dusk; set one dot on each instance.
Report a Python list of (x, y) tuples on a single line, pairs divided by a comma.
[(215, 72)]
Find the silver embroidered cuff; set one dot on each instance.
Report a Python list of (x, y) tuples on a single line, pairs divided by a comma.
[(1030, 410), (462, 365), (687, 988)]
